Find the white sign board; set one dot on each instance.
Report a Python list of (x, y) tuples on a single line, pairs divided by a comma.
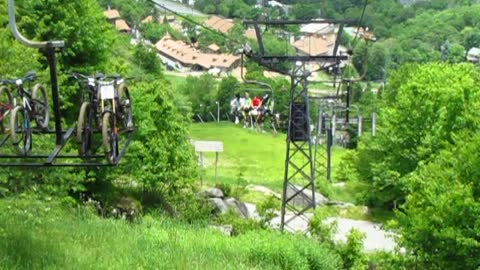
[(208, 146)]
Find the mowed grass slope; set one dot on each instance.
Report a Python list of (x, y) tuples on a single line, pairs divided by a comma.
[(249, 156)]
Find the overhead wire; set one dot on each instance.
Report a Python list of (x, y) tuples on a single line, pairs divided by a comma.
[(195, 22)]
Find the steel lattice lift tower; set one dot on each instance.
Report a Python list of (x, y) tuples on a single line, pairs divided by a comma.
[(299, 179)]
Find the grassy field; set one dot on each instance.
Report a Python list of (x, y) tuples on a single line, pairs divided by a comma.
[(249, 156), (46, 235)]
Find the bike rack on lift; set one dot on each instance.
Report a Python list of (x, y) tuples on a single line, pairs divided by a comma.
[(62, 137)]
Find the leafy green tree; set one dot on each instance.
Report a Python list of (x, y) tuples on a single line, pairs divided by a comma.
[(227, 89), (423, 107), (202, 93), (440, 219), (147, 59), (87, 34), (160, 155), (154, 31), (456, 54), (305, 11)]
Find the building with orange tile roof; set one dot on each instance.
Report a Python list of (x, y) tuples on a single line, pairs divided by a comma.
[(111, 14), (214, 48), (315, 45), (220, 24), (148, 19), (122, 26), (186, 55)]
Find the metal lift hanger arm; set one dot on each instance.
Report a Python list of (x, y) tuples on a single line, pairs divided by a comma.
[(21, 38)]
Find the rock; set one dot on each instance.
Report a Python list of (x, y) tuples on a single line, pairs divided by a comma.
[(212, 193), (238, 206), (264, 190), (340, 204), (219, 206), (252, 211), (376, 238), (339, 184), (225, 229), (305, 197), (127, 208)]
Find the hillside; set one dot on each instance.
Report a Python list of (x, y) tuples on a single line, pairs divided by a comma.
[(47, 235), (254, 157)]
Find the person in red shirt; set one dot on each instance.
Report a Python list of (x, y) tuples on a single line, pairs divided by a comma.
[(256, 102)]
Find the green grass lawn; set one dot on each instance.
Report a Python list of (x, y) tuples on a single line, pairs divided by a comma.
[(249, 157), (175, 80)]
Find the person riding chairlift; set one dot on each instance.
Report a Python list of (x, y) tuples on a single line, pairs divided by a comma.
[(235, 105), (246, 107)]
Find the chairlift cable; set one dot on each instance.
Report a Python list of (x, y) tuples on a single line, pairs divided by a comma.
[(365, 4), (196, 23)]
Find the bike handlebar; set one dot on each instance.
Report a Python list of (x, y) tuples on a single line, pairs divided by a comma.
[(29, 77)]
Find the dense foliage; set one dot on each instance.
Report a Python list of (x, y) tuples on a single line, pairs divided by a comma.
[(440, 223), (422, 110)]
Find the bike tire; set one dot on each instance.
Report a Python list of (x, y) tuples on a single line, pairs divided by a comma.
[(83, 135), (20, 131), (40, 104), (125, 106), (109, 138), (6, 106)]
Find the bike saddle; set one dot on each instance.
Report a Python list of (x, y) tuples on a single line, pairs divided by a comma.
[(116, 76), (31, 76), (99, 76)]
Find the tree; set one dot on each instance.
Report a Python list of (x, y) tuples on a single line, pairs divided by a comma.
[(422, 108), (305, 11), (440, 219), (227, 89), (160, 155), (201, 92), (147, 59), (81, 24), (154, 31)]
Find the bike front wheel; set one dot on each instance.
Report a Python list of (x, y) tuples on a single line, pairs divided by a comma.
[(40, 105), (125, 106), (21, 131), (109, 138), (6, 106)]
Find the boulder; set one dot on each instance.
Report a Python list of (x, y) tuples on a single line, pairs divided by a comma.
[(219, 206), (340, 204), (212, 193), (304, 198), (127, 208), (225, 229), (238, 207), (264, 190)]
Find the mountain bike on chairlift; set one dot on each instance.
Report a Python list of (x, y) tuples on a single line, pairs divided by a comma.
[(117, 118), (88, 118), (6, 107), (33, 104)]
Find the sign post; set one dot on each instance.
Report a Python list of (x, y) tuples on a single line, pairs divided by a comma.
[(208, 146)]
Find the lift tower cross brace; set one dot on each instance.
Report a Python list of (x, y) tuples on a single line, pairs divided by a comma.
[(299, 178)]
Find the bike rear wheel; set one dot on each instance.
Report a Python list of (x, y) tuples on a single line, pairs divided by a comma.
[(125, 106), (40, 105), (21, 131), (84, 134), (6, 106), (109, 138)]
